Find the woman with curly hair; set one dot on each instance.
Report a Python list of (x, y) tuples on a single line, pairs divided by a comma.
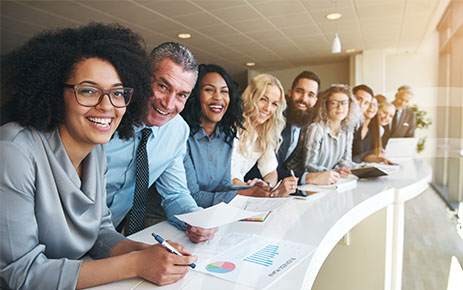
[(213, 112), (263, 121), (328, 141), (69, 91)]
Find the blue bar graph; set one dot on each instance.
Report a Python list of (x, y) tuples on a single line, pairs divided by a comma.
[(264, 256)]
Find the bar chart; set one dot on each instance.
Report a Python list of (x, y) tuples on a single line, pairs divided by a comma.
[(264, 256)]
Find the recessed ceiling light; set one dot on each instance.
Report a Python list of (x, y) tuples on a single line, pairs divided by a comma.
[(333, 16), (184, 35), (250, 64), (350, 50)]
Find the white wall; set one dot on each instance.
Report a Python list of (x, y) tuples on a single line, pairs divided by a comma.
[(330, 73), (420, 71)]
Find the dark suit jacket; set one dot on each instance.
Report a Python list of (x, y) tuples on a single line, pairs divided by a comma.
[(405, 128), (281, 154)]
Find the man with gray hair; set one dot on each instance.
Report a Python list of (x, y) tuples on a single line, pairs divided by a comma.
[(404, 122), (155, 154)]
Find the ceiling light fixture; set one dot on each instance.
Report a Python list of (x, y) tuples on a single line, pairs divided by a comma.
[(336, 46), (250, 64), (333, 16), (184, 35)]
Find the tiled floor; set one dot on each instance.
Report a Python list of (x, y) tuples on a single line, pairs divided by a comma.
[(431, 239)]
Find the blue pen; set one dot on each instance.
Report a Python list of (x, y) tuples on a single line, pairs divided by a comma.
[(169, 247)]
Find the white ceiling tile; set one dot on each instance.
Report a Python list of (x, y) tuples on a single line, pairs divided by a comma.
[(41, 18), (170, 8), (274, 8), (236, 14), (218, 4), (252, 25), (198, 20), (383, 10), (286, 21), (217, 30)]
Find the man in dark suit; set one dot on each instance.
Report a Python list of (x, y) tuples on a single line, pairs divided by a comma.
[(301, 98), (404, 122)]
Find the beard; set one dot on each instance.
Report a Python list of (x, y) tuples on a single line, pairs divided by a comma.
[(297, 117)]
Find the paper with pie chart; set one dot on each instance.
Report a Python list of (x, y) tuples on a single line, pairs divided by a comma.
[(256, 262)]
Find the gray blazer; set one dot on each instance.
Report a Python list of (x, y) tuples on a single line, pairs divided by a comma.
[(405, 128), (49, 217)]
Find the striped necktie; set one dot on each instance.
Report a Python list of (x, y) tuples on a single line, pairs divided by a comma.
[(137, 213)]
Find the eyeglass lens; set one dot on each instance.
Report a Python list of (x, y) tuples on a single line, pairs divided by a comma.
[(91, 96), (337, 103)]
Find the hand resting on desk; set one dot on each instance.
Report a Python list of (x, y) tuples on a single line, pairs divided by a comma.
[(322, 177)]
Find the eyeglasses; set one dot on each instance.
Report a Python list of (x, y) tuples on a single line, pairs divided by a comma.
[(335, 104), (91, 96), (344, 86)]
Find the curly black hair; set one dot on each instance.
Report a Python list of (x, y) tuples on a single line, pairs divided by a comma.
[(35, 73), (233, 117)]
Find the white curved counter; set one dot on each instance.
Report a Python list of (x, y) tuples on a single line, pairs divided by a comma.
[(370, 258)]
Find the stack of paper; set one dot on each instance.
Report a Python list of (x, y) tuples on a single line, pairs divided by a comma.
[(341, 185), (217, 215), (259, 204)]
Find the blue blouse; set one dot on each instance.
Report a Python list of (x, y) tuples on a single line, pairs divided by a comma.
[(207, 166)]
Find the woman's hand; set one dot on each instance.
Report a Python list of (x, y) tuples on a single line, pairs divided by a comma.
[(260, 190), (287, 186), (158, 265), (322, 177), (344, 171), (255, 181)]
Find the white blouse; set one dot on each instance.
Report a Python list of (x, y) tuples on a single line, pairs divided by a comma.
[(242, 163)]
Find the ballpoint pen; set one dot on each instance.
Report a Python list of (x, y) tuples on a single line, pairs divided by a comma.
[(169, 247), (276, 186)]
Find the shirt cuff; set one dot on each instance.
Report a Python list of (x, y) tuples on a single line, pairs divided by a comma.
[(302, 180)]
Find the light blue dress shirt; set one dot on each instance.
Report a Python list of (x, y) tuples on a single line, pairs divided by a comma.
[(207, 164), (166, 149)]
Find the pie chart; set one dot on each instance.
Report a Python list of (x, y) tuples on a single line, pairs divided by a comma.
[(220, 267)]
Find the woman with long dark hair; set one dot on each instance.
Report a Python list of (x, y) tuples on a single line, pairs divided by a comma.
[(213, 112), (70, 89)]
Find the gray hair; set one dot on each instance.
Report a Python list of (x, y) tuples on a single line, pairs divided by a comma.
[(176, 52)]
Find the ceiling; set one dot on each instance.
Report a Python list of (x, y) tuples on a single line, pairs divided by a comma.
[(275, 34)]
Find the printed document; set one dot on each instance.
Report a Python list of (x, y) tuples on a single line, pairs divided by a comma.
[(256, 262)]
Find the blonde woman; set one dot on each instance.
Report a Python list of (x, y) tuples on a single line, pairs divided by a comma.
[(386, 112), (260, 136), (328, 141)]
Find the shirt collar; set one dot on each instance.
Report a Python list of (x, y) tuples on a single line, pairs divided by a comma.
[(154, 129), (202, 134)]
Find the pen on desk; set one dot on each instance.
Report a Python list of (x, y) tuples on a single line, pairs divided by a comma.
[(169, 247)]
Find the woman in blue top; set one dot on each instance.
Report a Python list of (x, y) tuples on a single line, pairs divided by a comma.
[(213, 112), (69, 90)]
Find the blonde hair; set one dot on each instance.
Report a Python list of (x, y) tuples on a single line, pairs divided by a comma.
[(269, 133), (354, 117), (384, 105)]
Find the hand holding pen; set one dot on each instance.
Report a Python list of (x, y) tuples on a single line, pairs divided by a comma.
[(172, 249), (287, 185)]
